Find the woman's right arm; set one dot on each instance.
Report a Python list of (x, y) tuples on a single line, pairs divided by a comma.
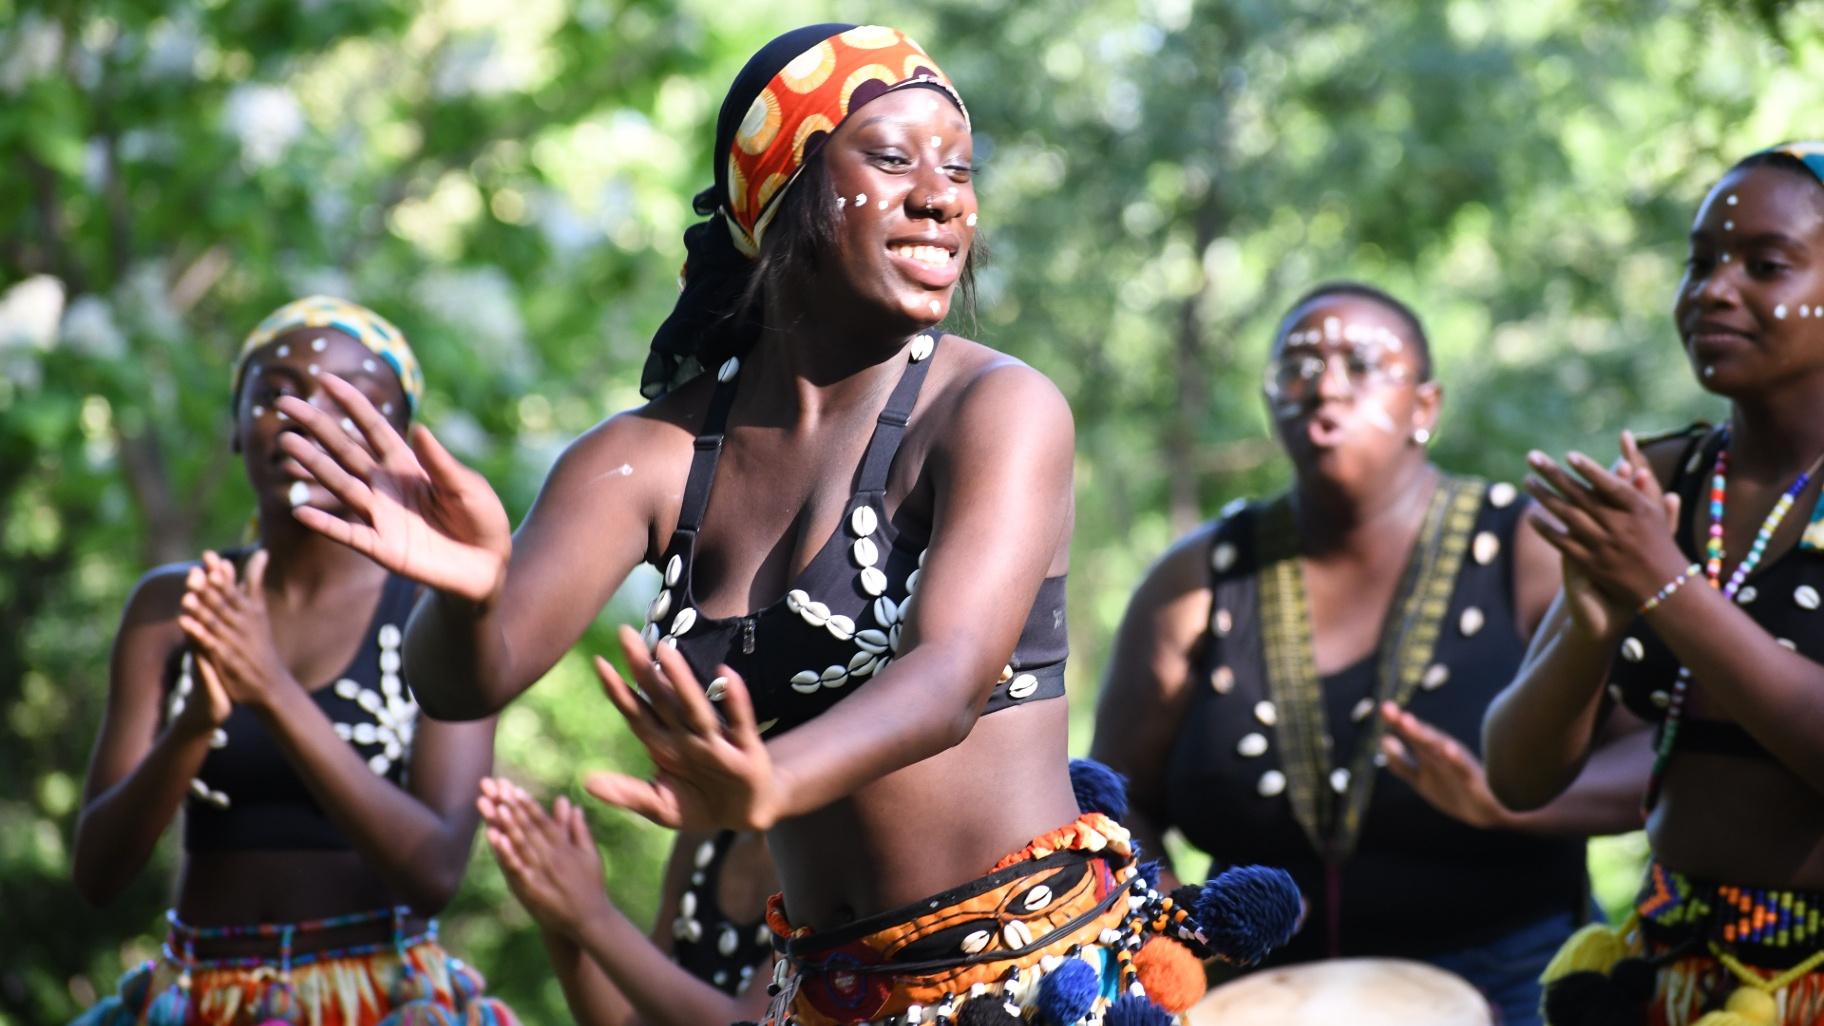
[(612, 974), (140, 773), (1148, 685), (503, 608)]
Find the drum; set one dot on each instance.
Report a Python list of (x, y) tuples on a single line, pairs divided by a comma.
[(1356, 991)]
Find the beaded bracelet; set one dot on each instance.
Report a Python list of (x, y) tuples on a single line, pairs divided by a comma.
[(1666, 590)]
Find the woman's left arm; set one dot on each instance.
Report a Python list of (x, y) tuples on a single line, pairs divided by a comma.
[(417, 839), (1001, 479)]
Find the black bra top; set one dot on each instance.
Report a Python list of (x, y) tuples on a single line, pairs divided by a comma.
[(1782, 596), (840, 622), (248, 797), (704, 940)]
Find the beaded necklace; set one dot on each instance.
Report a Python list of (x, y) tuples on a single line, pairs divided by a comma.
[(1713, 572)]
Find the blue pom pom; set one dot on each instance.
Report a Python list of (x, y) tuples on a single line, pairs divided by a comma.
[(1248, 911), (170, 1008), (1098, 788), (1067, 992), (1130, 1010), (1149, 871)]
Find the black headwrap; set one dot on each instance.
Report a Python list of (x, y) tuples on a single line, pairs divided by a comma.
[(705, 327)]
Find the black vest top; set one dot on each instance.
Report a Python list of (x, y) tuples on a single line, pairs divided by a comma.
[(704, 940), (840, 622), (1417, 882), (1782, 596), (247, 796)]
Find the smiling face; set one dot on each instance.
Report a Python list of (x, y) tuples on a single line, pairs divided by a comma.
[(901, 171), (1344, 389), (1750, 308), (292, 364)]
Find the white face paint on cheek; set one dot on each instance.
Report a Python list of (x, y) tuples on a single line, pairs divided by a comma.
[(259, 411), (883, 204), (315, 370), (1780, 311), (1731, 200), (284, 350), (1376, 415), (1333, 328), (860, 198), (1728, 226), (936, 306), (937, 140), (970, 220), (842, 202), (319, 344), (368, 366), (298, 494)]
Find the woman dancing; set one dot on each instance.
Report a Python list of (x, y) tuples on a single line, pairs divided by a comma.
[(323, 819), (862, 525)]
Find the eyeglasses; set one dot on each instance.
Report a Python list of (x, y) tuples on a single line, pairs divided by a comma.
[(1293, 378)]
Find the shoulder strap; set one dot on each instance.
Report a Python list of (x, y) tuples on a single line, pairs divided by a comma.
[(709, 447), (891, 427)]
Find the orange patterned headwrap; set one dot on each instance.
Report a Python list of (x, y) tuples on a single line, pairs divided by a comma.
[(803, 104)]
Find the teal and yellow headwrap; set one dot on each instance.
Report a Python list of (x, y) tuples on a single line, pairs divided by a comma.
[(351, 319), (1810, 154)]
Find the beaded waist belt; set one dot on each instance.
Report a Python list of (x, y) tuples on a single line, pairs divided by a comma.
[(1769, 927), (180, 942)]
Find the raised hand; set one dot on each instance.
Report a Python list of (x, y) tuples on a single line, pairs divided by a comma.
[(1443, 772), (550, 861), (411, 508), (1614, 529), (227, 621), (709, 774)]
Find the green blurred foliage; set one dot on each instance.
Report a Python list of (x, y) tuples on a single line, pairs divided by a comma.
[(508, 182)]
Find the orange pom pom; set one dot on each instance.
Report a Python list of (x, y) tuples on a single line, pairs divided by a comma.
[(1172, 976)]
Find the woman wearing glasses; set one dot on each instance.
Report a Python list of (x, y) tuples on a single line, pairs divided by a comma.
[(1276, 659)]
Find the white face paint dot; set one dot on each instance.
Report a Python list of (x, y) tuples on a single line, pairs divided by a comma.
[(970, 220), (1780, 311), (386, 408), (1804, 310), (1709, 372), (259, 411), (1730, 199), (936, 306), (937, 140), (369, 366), (284, 350), (1333, 328), (860, 198), (298, 494), (1725, 258), (1728, 226), (841, 201), (319, 344), (315, 370), (883, 204)]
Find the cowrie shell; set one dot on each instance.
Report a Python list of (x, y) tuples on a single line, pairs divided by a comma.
[(871, 640), (886, 611), (1222, 680), (1251, 745), (1485, 547), (834, 676), (1806, 596), (815, 613), (1660, 698), (1502, 495), (730, 367), (1750, 593), (1272, 782), (727, 941), (684, 621), (1017, 934), (873, 581), (806, 682), (859, 660), (795, 600), (1037, 898), (1266, 713), (1471, 621), (974, 944), (687, 905), (1361, 710), (717, 690), (650, 635), (1435, 677), (1222, 622), (863, 521), (389, 636), (1222, 557), (1023, 685), (674, 569), (1339, 779), (840, 627), (1633, 650), (921, 348), (866, 553)]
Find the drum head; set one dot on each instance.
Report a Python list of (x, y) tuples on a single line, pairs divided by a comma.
[(1356, 991)]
